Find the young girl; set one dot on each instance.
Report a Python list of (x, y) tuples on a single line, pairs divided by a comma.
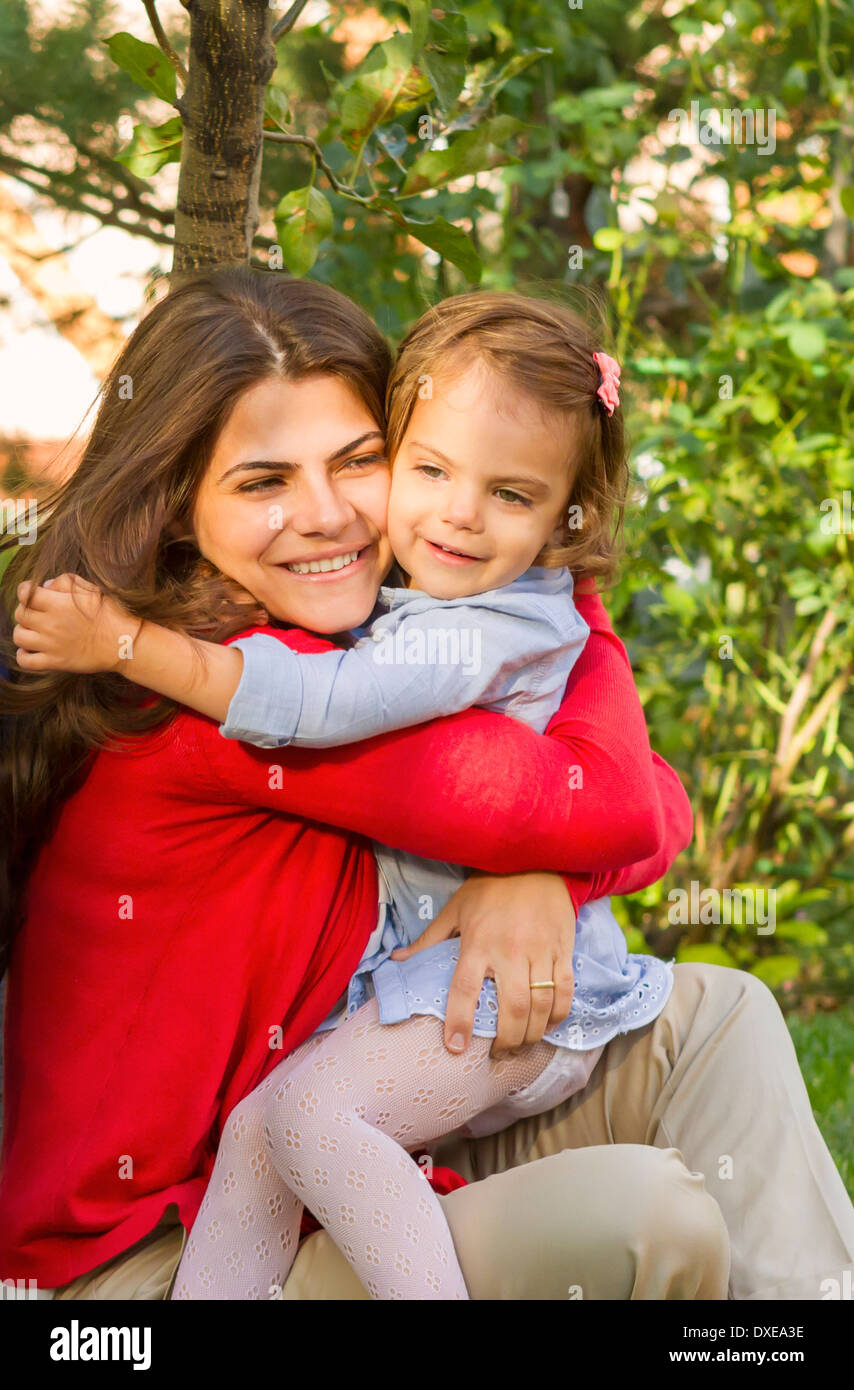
[(508, 463)]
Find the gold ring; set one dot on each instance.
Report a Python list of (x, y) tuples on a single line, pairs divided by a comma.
[(543, 984)]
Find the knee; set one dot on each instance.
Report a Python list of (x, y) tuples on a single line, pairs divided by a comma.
[(244, 1124), (730, 988), (281, 1108), (295, 1115), (679, 1230)]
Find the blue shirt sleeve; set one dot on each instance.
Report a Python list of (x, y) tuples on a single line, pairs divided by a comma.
[(416, 665)]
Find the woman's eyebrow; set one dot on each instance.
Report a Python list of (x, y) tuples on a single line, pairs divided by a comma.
[(354, 444), (285, 466)]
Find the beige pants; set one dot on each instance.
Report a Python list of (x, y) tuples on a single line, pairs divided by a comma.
[(690, 1167)]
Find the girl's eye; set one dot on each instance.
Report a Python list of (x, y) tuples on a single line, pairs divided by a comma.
[(511, 496), (430, 469)]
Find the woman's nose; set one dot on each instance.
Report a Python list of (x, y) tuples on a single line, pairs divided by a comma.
[(320, 507)]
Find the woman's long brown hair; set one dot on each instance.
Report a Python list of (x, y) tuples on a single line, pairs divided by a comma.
[(123, 520)]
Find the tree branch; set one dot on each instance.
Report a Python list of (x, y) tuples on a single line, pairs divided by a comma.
[(288, 20), (801, 692), (75, 193), (75, 201), (160, 35), (344, 189), (832, 695)]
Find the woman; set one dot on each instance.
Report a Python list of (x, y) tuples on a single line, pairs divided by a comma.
[(253, 428)]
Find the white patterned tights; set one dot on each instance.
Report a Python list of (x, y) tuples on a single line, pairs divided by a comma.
[(329, 1128)]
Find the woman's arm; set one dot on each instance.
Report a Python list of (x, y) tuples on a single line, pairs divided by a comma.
[(480, 788), (678, 831)]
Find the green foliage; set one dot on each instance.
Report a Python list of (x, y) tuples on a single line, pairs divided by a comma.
[(745, 692), (151, 147), (303, 218), (376, 151), (825, 1048), (60, 91)]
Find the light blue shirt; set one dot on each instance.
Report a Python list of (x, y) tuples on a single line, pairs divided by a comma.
[(509, 649)]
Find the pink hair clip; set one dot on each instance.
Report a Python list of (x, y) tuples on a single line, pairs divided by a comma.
[(608, 390)]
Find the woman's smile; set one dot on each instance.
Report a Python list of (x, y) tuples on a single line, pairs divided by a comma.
[(328, 566)]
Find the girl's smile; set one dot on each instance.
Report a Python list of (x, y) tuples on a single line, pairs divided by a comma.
[(449, 556)]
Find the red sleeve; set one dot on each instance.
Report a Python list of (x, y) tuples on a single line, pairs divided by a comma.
[(678, 831), (481, 789), (589, 713)]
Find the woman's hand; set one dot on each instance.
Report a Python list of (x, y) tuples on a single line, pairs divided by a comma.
[(515, 929), (67, 624)]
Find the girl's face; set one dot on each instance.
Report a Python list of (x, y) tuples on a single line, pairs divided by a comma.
[(480, 470), (299, 478)]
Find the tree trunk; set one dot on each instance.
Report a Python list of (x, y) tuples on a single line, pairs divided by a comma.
[(232, 59)]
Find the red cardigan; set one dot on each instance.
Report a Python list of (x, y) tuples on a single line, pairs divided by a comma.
[(198, 893)]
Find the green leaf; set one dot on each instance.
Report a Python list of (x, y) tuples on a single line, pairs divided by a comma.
[(594, 104), (303, 218), (694, 508), (708, 952), (608, 238), (846, 198), (276, 107), (445, 54), (807, 341), (795, 83), (385, 85), (764, 408), (470, 153), (774, 970), (145, 63), (803, 932), (483, 80), (678, 600), (450, 241), (419, 19), (151, 147)]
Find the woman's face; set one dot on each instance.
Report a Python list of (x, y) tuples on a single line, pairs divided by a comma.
[(299, 478)]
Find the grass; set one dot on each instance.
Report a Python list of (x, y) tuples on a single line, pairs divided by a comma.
[(824, 1043)]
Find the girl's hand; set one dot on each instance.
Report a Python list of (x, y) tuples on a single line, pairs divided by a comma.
[(515, 929), (67, 624)]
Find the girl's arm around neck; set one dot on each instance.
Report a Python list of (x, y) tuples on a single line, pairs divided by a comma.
[(481, 789), (201, 675)]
